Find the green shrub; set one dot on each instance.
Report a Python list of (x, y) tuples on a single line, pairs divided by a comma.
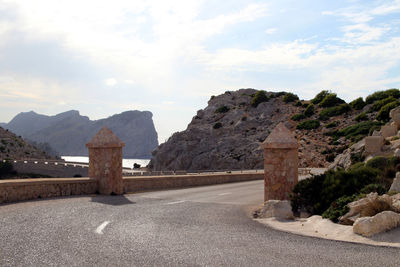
[(382, 163), (379, 95), (361, 117), (358, 131), (308, 125), (358, 103), (277, 94), (217, 125), (290, 97), (298, 104), (222, 109), (378, 188), (331, 100), (339, 207), (380, 103), (309, 110), (319, 97), (317, 193), (332, 124), (259, 97), (383, 114), (298, 117), (334, 111)]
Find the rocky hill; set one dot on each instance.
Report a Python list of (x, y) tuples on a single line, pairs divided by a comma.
[(68, 132), (227, 134), (14, 147)]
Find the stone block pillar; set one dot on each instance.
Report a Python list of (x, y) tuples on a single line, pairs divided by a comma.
[(280, 163), (105, 162)]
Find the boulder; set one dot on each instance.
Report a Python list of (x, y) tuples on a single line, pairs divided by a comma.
[(396, 183), (280, 209), (373, 144), (388, 131), (397, 153), (371, 205), (381, 222), (395, 116)]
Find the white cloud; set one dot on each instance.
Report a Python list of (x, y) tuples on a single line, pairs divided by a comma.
[(110, 82)]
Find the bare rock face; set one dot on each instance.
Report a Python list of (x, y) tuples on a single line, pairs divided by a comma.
[(396, 183), (227, 134), (344, 160), (381, 222), (280, 209), (371, 205)]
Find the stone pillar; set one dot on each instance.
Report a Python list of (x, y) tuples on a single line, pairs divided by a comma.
[(280, 163), (105, 162)]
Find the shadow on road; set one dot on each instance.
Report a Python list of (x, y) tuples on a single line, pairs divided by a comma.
[(112, 200)]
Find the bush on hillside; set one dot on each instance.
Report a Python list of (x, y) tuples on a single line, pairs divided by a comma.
[(290, 97), (331, 100), (298, 104), (358, 131), (361, 117), (319, 97), (339, 207), (332, 124), (334, 111), (380, 103), (383, 114), (298, 117), (316, 194), (217, 125), (358, 103), (309, 111), (308, 125), (379, 95), (277, 94), (259, 97), (222, 109)]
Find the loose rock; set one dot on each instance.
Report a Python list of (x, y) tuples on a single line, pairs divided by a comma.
[(381, 222)]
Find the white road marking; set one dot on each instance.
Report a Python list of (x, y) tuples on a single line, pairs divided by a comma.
[(100, 229), (224, 194), (176, 202)]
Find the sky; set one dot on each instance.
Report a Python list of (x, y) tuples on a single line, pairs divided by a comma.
[(105, 57)]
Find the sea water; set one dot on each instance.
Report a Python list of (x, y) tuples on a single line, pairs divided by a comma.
[(126, 163)]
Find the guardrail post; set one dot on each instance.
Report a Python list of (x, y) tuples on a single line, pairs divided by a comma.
[(105, 162), (280, 163)]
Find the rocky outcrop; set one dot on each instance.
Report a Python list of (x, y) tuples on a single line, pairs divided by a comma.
[(227, 135), (371, 205), (396, 183), (68, 132), (381, 222), (14, 147)]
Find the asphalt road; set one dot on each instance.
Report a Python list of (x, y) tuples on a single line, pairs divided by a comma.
[(198, 226)]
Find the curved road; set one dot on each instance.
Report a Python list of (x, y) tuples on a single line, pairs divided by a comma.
[(197, 226)]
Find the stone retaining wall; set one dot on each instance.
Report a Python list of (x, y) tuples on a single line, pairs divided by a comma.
[(25, 189), (138, 184)]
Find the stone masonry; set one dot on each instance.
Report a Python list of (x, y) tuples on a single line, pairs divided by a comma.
[(280, 163), (105, 162)]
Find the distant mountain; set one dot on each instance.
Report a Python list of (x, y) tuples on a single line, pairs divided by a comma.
[(68, 132)]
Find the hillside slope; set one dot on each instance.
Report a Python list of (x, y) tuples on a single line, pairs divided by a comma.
[(14, 147), (68, 132), (227, 134)]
